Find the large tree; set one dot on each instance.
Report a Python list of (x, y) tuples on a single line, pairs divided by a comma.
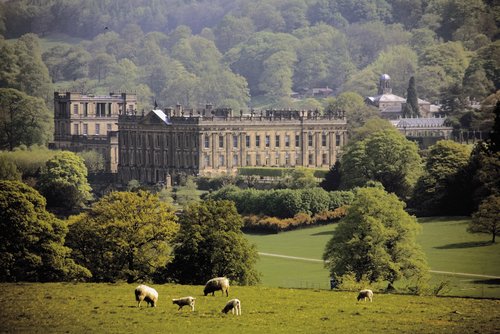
[(411, 108), (443, 188), (124, 236), (487, 218), (63, 181), (210, 244), (32, 239), (24, 120), (376, 240), (385, 156)]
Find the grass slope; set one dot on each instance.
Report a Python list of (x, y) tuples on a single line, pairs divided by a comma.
[(444, 240), (111, 308)]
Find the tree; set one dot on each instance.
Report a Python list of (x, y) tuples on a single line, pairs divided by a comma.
[(124, 236), (376, 240), (93, 160), (411, 108), (299, 178), (385, 156), (32, 239), (24, 120), (487, 218), (443, 188), (332, 178), (63, 181), (8, 169), (210, 244)]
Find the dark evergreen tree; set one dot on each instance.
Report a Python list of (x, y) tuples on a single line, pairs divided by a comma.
[(332, 178), (411, 108)]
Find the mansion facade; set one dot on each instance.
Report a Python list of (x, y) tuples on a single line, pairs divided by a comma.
[(90, 122), (209, 142)]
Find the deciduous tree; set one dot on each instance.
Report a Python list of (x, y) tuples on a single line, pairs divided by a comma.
[(487, 218), (124, 236)]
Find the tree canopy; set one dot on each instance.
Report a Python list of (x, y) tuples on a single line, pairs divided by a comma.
[(32, 239), (210, 244), (124, 236), (376, 241)]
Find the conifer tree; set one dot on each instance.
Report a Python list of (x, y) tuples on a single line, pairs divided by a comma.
[(411, 108)]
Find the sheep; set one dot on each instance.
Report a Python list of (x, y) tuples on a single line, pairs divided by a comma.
[(232, 305), (184, 301), (363, 294), (144, 292), (218, 283)]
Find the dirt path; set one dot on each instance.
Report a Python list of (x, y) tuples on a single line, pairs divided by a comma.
[(432, 271)]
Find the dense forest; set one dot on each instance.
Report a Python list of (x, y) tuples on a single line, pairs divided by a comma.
[(243, 54)]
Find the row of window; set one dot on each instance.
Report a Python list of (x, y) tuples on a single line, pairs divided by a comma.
[(85, 129), (265, 160), (267, 140), (101, 110)]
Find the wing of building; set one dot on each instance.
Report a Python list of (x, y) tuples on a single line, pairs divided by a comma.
[(210, 142)]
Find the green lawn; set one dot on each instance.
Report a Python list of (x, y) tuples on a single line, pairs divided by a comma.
[(111, 308), (445, 241)]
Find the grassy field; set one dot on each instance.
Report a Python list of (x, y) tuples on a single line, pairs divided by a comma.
[(111, 308), (445, 241)]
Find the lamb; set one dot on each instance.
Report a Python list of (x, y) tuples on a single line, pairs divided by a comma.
[(215, 284), (146, 293), (232, 305), (363, 294), (184, 301)]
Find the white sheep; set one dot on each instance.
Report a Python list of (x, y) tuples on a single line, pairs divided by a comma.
[(232, 305), (184, 301), (215, 284), (146, 293), (363, 294)]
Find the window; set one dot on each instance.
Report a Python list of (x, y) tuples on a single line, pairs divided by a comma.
[(277, 159), (257, 160), (268, 140), (75, 129), (221, 141), (337, 140), (101, 110), (235, 160), (235, 141), (98, 129), (221, 160), (85, 129), (287, 141), (179, 140), (257, 141), (75, 109), (207, 160), (108, 127), (297, 140), (247, 141), (85, 108), (248, 160), (157, 144), (323, 139), (310, 139), (287, 159), (206, 141), (311, 159), (277, 141), (325, 159)]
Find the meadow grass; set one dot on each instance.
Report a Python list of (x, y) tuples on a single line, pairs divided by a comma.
[(445, 241), (111, 308)]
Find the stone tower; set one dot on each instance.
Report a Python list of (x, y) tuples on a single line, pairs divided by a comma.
[(384, 86)]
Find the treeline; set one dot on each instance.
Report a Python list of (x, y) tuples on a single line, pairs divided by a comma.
[(225, 52)]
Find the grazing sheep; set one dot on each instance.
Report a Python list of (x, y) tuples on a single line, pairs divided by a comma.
[(215, 284), (233, 304), (363, 294), (144, 292), (184, 301)]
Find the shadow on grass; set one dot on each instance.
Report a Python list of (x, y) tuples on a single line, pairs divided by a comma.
[(441, 219), (493, 281), (471, 244), (322, 233)]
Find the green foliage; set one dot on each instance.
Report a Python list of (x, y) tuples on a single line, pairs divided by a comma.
[(63, 181), (32, 239), (398, 171), (8, 169), (210, 244), (187, 193), (24, 120), (376, 240), (93, 160), (299, 178), (124, 236), (29, 161), (443, 187), (411, 108), (487, 218)]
